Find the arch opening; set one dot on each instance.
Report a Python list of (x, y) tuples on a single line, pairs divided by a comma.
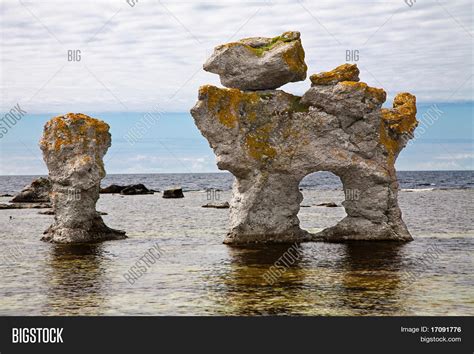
[(322, 207)]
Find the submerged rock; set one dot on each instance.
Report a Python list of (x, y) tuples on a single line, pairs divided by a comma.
[(259, 63), (270, 140), (224, 205), (24, 205), (112, 189), (173, 193), (51, 212), (46, 212), (329, 205), (36, 192), (73, 148)]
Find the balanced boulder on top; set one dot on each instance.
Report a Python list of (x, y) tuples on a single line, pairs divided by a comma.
[(259, 63)]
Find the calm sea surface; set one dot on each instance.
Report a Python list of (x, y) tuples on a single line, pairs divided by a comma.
[(223, 181), (198, 275)]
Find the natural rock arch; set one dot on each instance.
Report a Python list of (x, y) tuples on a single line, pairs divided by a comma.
[(269, 140)]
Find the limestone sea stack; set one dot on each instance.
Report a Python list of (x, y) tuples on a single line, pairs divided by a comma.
[(270, 139), (259, 63), (73, 147)]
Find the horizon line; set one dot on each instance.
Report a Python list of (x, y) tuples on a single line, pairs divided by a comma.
[(180, 112), (194, 173)]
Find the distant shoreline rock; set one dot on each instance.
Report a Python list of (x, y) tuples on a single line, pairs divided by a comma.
[(224, 205), (329, 205), (136, 189), (51, 212), (132, 189), (36, 192), (112, 189), (24, 205)]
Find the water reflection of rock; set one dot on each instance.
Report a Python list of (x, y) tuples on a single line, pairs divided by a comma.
[(371, 279), (327, 279), (76, 280), (241, 289)]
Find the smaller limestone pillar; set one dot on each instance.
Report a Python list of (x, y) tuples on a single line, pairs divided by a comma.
[(73, 147), (264, 208)]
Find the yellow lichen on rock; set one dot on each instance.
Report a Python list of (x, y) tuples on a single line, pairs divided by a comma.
[(73, 128), (402, 117), (377, 93), (269, 43), (225, 103), (258, 143), (391, 145), (295, 58), (344, 72), (396, 121)]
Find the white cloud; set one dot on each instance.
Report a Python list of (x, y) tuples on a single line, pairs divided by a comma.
[(134, 56), (456, 156), (438, 166), (153, 163)]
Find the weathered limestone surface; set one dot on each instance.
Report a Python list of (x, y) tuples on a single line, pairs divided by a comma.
[(73, 147), (259, 63), (271, 139)]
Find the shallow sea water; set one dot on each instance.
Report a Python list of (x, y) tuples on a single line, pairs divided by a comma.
[(198, 275)]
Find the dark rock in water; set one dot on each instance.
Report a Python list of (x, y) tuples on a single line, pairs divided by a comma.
[(46, 212), (113, 188), (329, 205), (6, 195), (305, 206), (51, 212), (36, 192), (132, 189), (173, 193), (135, 189), (224, 205), (25, 206)]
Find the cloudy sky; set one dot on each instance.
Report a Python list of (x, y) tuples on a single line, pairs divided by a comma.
[(134, 59)]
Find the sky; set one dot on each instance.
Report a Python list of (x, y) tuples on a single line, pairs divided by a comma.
[(147, 55)]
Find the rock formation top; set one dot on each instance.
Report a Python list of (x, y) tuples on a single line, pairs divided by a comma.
[(259, 63), (73, 146), (344, 72), (270, 139)]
